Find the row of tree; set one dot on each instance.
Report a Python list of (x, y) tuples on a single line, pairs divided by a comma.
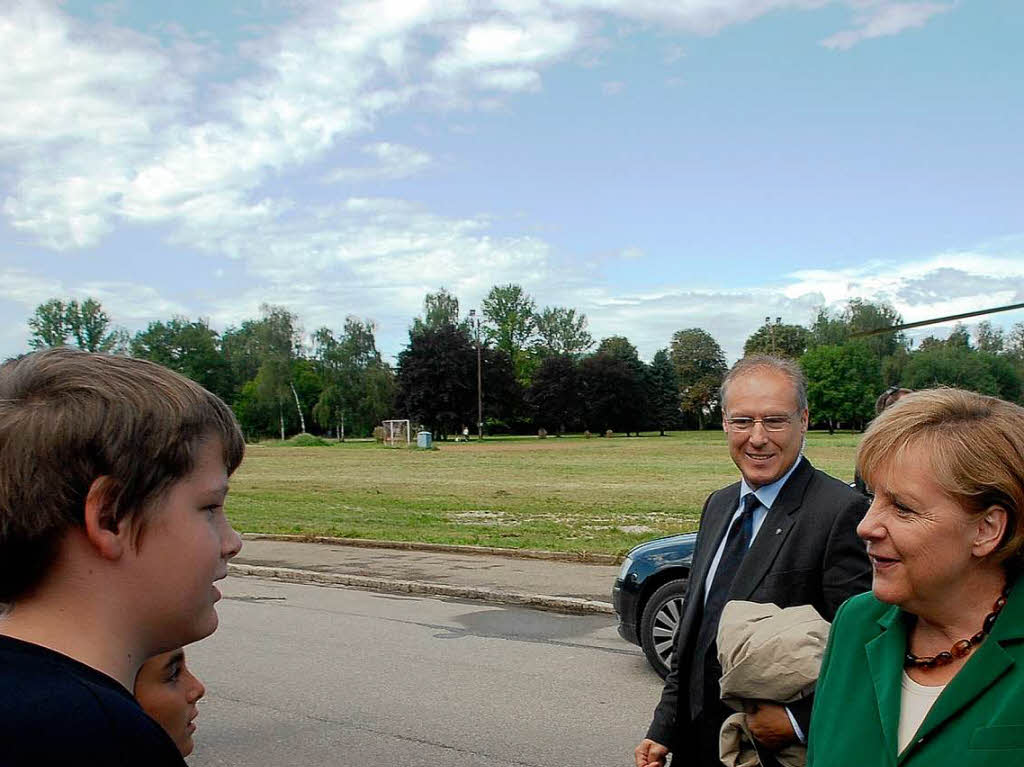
[(536, 366)]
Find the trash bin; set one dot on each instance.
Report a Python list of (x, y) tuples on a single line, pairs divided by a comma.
[(424, 439)]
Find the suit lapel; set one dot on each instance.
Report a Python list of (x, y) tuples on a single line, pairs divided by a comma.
[(988, 663), (773, 533), (716, 525), (885, 659)]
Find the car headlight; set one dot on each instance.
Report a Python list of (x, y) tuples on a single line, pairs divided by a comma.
[(627, 563)]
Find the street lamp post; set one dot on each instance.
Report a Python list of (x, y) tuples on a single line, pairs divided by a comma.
[(473, 319), (771, 330)]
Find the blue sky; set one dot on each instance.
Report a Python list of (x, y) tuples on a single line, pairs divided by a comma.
[(656, 165)]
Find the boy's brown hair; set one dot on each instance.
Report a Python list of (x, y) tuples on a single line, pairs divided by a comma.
[(69, 417)]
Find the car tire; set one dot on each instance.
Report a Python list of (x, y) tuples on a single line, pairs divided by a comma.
[(659, 622)]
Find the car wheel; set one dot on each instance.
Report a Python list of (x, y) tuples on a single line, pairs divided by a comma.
[(659, 623)]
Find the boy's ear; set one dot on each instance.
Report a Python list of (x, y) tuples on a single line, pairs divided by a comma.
[(102, 529)]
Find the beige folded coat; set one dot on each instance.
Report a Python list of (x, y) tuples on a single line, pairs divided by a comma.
[(767, 653)]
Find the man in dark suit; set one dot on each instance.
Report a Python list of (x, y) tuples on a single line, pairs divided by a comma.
[(786, 533)]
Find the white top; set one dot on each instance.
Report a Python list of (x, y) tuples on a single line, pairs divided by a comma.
[(916, 701)]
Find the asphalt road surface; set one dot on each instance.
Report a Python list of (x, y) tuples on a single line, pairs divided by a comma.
[(312, 675)]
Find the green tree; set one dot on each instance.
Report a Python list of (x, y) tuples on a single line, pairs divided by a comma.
[(958, 338), (964, 368), (1014, 348), (554, 394), (90, 326), (828, 329), (1014, 343), (439, 309), (663, 392), (988, 338), (613, 392), (843, 382), (930, 342), (778, 339), (263, 351), (614, 387), (562, 331), (243, 353), (861, 315), (254, 414), (49, 324), (86, 322), (700, 367), (510, 323), (190, 348), (358, 387), (436, 379)]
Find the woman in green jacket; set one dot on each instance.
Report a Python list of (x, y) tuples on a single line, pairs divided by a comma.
[(928, 669)]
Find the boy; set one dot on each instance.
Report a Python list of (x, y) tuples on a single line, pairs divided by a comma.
[(113, 474), (168, 691)]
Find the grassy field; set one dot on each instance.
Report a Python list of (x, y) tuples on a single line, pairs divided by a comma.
[(569, 494)]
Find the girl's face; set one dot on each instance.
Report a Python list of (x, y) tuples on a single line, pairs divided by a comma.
[(168, 692)]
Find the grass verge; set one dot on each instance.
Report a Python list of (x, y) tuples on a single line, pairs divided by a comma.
[(568, 494)]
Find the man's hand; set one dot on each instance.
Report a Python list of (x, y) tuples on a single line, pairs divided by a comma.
[(769, 724), (651, 754)]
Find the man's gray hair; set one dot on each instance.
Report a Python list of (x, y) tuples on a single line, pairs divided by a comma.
[(763, 363)]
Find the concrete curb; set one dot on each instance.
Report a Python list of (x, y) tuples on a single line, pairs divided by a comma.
[(557, 604), (582, 557)]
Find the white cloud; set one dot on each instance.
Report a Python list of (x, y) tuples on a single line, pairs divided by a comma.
[(24, 287), (392, 161), (949, 283), (127, 303), (613, 87), (503, 44), (884, 20), (510, 80), (56, 86), (704, 17), (674, 53), (105, 126), (945, 284)]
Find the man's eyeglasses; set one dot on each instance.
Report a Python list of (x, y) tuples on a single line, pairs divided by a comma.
[(769, 422)]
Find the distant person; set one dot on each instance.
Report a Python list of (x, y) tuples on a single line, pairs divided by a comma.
[(929, 668), (784, 534), (885, 400), (890, 397), (113, 475), (168, 692)]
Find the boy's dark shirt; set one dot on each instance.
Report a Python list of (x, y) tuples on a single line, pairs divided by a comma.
[(57, 711)]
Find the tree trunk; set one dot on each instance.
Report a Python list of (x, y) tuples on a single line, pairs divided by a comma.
[(831, 427), (280, 413), (302, 420), (343, 426)]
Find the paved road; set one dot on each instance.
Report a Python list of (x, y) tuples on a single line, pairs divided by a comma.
[(311, 675)]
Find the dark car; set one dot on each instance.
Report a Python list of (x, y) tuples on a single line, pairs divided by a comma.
[(649, 592)]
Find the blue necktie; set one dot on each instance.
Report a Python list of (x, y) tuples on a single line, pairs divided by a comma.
[(705, 688)]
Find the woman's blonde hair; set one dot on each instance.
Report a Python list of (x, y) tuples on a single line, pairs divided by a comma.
[(976, 445)]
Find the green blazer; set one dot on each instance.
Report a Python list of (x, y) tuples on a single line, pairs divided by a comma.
[(978, 720)]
